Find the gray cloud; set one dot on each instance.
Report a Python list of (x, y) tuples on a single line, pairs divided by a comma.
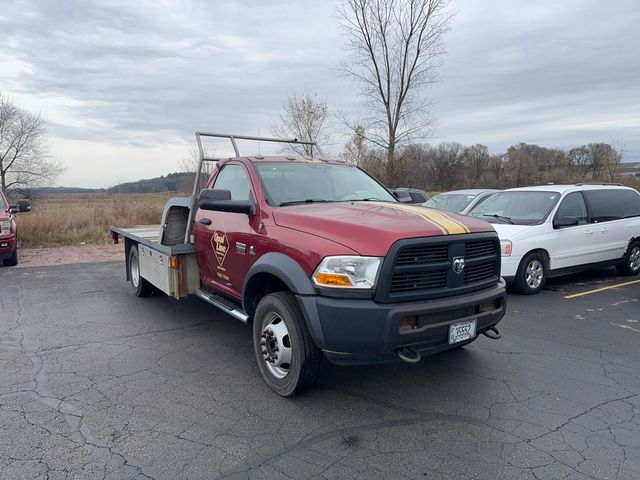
[(557, 73)]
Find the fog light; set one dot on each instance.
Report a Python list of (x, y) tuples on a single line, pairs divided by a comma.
[(489, 306), (407, 323)]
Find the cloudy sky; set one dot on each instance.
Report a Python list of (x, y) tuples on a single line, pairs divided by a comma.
[(123, 85)]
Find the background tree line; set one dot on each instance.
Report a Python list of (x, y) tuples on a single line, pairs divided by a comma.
[(451, 165)]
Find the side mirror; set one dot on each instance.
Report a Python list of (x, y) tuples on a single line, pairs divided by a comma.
[(403, 197), (13, 209), (220, 201), (565, 222), (24, 206)]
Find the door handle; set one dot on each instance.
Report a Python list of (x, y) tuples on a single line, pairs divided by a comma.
[(605, 230), (205, 221), (588, 233)]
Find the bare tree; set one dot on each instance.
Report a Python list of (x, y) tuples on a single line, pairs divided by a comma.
[(304, 118), (476, 160), (190, 163), (395, 47), (25, 164)]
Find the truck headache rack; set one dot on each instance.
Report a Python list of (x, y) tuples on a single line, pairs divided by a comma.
[(232, 138)]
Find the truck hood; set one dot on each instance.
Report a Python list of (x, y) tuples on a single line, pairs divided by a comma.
[(370, 228)]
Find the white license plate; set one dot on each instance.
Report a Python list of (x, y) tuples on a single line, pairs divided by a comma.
[(461, 331)]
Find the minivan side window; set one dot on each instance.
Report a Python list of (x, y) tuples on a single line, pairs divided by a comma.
[(573, 206), (235, 179), (612, 204), (417, 197)]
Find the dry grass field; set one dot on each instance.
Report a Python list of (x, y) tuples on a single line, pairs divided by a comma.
[(85, 219)]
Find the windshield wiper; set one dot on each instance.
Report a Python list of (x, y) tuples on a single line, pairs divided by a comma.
[(368, 199), (301, 202), (500, 217)]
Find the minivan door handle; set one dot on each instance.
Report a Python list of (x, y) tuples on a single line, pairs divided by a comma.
[(205, 221), (605, 230), (588, 233)]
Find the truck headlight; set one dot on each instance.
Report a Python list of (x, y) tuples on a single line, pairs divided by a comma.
[(5, 227), (505, 248), (347, 272)]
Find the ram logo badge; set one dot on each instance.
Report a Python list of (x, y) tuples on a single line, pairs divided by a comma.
[(458, 264)]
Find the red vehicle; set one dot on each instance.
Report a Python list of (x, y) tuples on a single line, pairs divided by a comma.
[(323, 261), (8, 233)]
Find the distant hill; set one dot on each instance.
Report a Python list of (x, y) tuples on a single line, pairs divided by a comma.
[(173, 182), (68, 190)]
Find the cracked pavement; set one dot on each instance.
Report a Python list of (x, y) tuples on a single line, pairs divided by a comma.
[(96, 383)]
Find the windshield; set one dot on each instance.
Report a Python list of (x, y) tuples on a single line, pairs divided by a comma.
[(516, 207), (450, 202), (292, 183)]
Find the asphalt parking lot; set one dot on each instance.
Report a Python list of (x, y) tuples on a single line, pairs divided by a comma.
[(96, 383)]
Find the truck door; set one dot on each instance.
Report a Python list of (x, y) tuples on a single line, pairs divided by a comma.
[(222, 238)]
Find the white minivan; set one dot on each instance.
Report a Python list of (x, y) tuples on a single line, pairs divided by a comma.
[(552, 230)]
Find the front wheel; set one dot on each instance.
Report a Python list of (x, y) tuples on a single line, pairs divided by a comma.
[(532, 274), (141, 287), (12, 261), (288, 358), (631, 262)]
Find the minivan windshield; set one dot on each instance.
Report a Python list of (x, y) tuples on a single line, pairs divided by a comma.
[(450, 202), (298, 183), (516, 207), (3, 205)]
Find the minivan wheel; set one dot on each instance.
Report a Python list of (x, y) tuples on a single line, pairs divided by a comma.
[(288, 358), (532, 274), (631, 262), (141, 287)]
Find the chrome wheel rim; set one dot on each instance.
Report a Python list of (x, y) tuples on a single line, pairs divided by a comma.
[(275, 346), (634, 259), (534, 274), (135, 271)]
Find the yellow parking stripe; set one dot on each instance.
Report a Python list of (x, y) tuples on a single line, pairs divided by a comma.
[(601, 289)]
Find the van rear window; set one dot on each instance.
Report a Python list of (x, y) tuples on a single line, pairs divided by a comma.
[(613, 204)]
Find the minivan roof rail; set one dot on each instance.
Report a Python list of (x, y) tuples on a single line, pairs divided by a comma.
[(600, 183)]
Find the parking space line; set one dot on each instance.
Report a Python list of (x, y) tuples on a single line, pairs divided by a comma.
[(601, 289)]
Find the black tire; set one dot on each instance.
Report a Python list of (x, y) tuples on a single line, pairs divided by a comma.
[(304, 367), (532, 274), (631, 262), (141, 288), (12, 261)]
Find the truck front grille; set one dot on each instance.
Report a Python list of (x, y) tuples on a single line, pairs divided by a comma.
[(407, 282), (424, 268)]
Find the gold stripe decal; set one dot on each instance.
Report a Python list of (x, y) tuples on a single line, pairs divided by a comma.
[(445, 223)]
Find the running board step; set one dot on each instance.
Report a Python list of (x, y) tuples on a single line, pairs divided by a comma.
[(223, 304)]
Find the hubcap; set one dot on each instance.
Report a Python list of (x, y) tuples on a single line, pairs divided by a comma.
[(275, 346), (634, 259), (135, 271), (534, 274)]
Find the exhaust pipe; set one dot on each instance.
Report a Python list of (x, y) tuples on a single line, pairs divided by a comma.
[(408, 355)]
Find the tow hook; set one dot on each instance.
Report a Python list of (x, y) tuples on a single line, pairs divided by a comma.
[(492, 333), (408, 354)]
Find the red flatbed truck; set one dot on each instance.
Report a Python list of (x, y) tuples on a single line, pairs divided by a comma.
[(321, 260)]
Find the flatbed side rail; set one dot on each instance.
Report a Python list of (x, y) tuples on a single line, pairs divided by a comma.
[(232, 138)]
